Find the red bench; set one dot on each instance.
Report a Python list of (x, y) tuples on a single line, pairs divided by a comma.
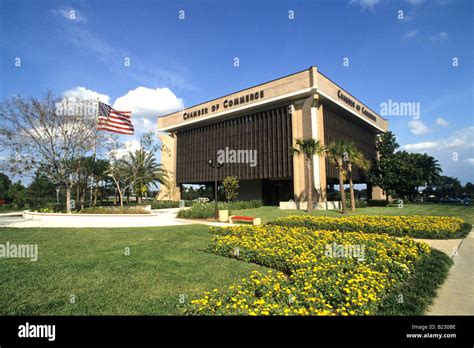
[(255, 221)]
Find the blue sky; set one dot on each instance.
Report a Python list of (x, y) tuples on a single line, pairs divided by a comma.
[(180, 62)]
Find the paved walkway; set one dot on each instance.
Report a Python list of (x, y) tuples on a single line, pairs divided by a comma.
[(447, 246), (456, 295)]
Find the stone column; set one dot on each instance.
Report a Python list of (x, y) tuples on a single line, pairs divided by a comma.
[(168, 160), (319, 162)]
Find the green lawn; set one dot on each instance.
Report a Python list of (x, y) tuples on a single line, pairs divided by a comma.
[(268, 213), (165, 263)]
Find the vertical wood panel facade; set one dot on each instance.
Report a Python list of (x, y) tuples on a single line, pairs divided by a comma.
[(269, 132)]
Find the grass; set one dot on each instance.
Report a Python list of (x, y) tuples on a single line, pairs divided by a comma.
[(164, 264), (268, 213)]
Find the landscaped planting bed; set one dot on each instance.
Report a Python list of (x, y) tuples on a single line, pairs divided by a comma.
[(206, 210), (417, 226), (99, 210), (318, 272)]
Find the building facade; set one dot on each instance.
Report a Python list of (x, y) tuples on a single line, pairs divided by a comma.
[(251, 132)]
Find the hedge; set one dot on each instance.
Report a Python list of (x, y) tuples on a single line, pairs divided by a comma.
[(418, 226)]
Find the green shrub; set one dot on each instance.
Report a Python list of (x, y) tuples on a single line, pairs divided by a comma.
[(200, 210), (113, 210), (377, 203), (238, 205), (6, 207), (359, 204), (165, 204), (420, 287)]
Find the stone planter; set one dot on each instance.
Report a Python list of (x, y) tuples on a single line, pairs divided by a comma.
[(223, 215)]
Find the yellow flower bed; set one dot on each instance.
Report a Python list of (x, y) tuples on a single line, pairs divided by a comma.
[(415, 226), (309, 277)]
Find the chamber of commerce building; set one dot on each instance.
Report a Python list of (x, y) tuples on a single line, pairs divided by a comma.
[(251, 132)]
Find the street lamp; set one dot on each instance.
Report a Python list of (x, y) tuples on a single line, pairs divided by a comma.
[(215, 166)]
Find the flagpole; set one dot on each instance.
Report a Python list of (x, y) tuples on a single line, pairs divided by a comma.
[(95, 150)]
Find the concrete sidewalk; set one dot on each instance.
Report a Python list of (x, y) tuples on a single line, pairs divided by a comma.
[(456, 295)]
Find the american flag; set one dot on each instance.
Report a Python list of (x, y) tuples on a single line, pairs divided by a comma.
[(114, 121)]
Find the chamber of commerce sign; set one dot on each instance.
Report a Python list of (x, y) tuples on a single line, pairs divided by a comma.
[(350, 102), (225, 104)]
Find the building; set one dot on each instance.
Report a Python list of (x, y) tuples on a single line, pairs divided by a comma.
[(252, 130)]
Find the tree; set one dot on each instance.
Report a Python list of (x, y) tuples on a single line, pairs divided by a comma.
[(18, 194), (137, 170), (309, 147), (430, 168), (231, 185), (354, 157), (337, 153), (409, 174), (469, 188), (447, 187), (382, 172), (413, 170), (100, 168), (41, 190), (49, 131), (5, 184), (144, 169)]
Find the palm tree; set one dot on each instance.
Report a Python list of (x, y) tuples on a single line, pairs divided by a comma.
[(430, 168), (144, 171), (337, 154), (354, 157), (309, 147)]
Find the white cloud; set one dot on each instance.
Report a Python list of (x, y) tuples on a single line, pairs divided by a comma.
[(455, 153), (417, 127), (442, 122), (421, 147), (128, 146), (87, 94), (147, 104), (365, 4), (441, 36), (410, 34)]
